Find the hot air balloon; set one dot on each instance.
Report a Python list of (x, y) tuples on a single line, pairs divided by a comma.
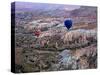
[(37, 32), (68, 23)]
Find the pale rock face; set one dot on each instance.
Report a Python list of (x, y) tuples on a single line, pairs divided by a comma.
[(65, 61), (75, 34), (45, 34)]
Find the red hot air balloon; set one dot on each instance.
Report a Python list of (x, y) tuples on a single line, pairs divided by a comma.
[(37, 32)]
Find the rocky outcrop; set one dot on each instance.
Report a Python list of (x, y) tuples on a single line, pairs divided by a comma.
[(83, 58)]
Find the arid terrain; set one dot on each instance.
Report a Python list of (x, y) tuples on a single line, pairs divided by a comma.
[(43, 43)]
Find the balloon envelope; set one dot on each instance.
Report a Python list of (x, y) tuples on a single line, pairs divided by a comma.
[(68, 24)]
